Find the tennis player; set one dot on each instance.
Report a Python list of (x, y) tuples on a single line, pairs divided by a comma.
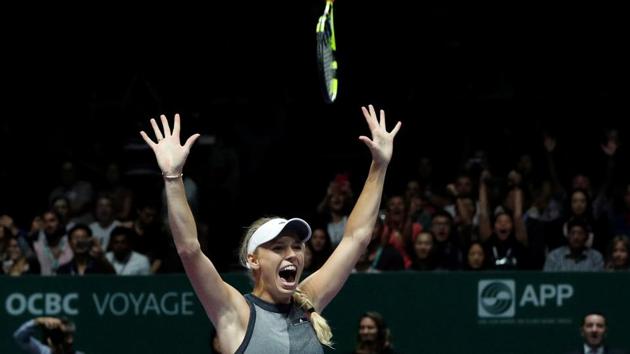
[(282, 314)]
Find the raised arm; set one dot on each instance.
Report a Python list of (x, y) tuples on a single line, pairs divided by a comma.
[(550, 146), (485, 226), (323, 285), (221, 301), (601, 199), (25, 335), (520, 231)]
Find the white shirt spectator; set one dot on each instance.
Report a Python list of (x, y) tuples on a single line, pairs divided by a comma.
[(103, 234), (136, 264)]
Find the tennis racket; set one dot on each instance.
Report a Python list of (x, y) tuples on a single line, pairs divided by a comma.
[(326, 47)]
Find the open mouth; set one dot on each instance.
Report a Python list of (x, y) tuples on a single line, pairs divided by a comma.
[(288, 275)]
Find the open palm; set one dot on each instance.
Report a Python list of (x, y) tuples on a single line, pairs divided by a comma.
[(169, 152), (382, 143)]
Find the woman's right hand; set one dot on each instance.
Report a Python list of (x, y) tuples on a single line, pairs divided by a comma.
[(169, 152)]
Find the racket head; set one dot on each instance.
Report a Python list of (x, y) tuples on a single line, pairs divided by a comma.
[(326, 56)]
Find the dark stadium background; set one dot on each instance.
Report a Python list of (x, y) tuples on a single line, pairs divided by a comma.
[(81, 81)]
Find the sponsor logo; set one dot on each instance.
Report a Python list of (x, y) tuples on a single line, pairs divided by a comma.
[(496, 298)]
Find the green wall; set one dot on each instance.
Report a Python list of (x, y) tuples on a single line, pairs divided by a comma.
[(427, 312)]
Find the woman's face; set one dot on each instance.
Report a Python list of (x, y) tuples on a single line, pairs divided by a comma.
[(13, 250), (578, 203), (423, 245), (280, 262), (337, 201), (476, 256), (368, 331), (620, 254), (318, 240)]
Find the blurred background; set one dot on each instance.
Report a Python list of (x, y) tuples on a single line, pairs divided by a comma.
[(461, 77)]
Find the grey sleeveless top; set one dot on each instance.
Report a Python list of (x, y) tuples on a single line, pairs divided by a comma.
[(278, 328)]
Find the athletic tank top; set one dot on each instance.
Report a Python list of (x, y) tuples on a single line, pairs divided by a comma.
[(278, 329)]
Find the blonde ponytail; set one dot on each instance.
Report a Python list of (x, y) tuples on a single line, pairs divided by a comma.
[(320, 325)]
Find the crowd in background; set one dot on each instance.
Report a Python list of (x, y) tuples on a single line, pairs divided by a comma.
[(525, 220)]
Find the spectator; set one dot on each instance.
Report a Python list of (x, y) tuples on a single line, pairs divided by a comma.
[(379, 254), (124, 260), (16, 262), (61, 206), (506, 241), (617, 257), (419, 210), (22, 235), (121, 195), (399, 230), (373, 336), (476, 258), (51, 243), (78, 192), (320, 248), (580, 206), (576, 256), (593, 331), (423, 253), (104, 220), (148, 237), (88, 254), (447, 251), (335, 206), (58, 336)]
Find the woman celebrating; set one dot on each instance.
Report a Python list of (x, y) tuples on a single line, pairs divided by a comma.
[(281, 315)]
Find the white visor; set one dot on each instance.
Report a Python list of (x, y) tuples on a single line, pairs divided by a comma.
[(274, 227)]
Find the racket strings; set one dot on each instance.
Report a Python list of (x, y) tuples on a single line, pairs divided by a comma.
[(328, 58)]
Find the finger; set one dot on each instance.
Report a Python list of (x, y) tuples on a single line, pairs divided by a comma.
[(367, 141), (372, 112), (156, 130), (371, 121), (167, 129), (191, 141), (147, 139), (396, 129), (176, 125), (383, 119)]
